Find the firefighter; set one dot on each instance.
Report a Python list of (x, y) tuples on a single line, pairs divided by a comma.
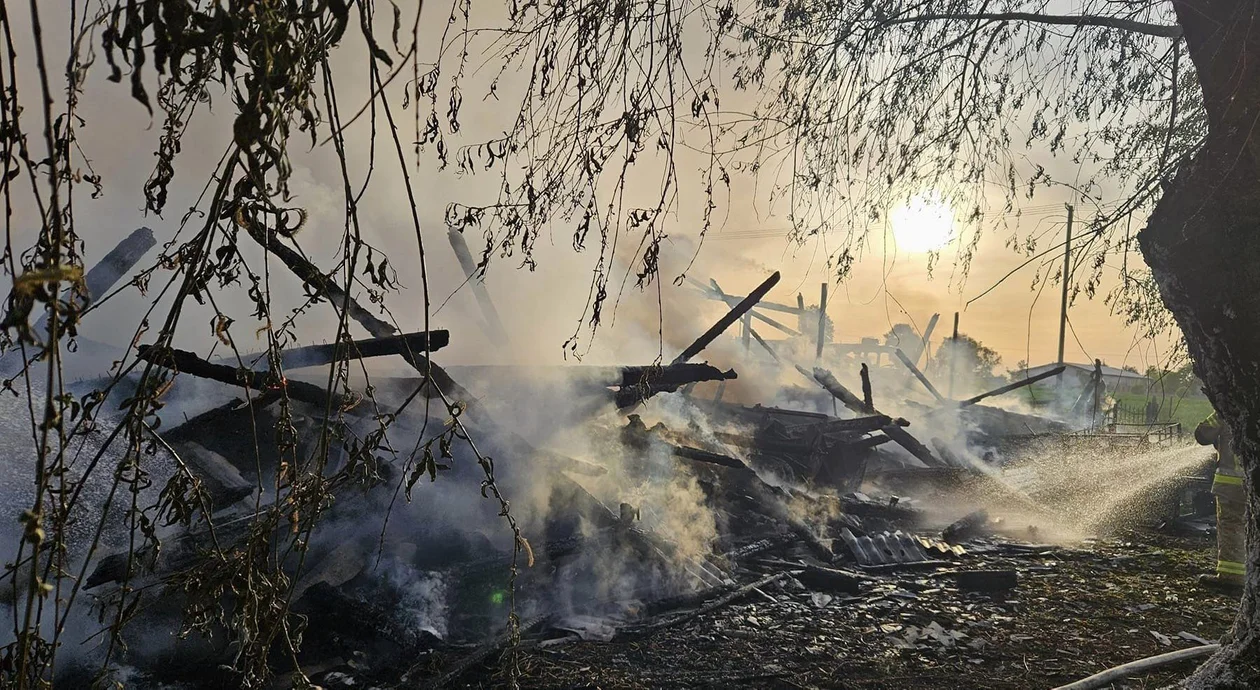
[(1227, 486)]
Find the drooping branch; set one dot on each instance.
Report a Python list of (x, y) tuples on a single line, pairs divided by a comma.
[(1078, 20)]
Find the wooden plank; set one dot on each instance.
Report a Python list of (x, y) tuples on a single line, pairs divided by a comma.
[(729, 318), (1013, 386), (318, 355), (919, 375)]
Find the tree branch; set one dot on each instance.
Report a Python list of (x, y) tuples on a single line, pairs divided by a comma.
[(1160, 30)]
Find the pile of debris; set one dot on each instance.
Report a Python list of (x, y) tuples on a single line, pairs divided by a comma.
[(420, 597)]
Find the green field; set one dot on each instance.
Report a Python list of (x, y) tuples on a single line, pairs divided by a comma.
[(1187, 410)]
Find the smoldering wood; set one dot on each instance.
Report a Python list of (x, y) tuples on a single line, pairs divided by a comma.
[(912, 445), (970, 525), (711, 606), (760, 341), (186, 362), (716, 294), (868, 401), (98, 280), (481, 653), (492, 324), (315, 280), (319, 355), (829, 383), (771, 322), (705, 456), (1012, 386), (868, 442), (919, 375), (651, 380), (729, 318), (222, 480), (672, 375), (822, 578), (857, 425)]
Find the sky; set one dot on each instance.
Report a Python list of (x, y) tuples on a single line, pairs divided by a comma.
[(890, 282)]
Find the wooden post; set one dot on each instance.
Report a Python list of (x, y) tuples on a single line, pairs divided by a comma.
[(747, 330), (927, 338), (1067, 270), (953, 357), (800, 320), (822, 321)]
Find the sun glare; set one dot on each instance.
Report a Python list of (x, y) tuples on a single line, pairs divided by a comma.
[(924, 223)]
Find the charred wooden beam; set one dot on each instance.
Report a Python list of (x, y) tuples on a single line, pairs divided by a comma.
[(319, 355), (867, 442), (716, 294), (640, 383), (1012, 386), (747, 589), (187, 362), (919, 375), (856, 426), (725, 322), (221, 479), (675, 375), (315, 280), (492, 325), (868, 401), (771, 322), (100, 278), (732, 301), (757, 336), (828, 381), (927, 336), (705, 456), (916, 448), (114, 265)]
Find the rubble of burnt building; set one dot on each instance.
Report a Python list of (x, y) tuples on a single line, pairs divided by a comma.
[(679, 496)]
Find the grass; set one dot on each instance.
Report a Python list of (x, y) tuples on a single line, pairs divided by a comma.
[(1189, 410)]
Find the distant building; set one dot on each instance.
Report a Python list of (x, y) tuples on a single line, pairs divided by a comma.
[(1078, 375)]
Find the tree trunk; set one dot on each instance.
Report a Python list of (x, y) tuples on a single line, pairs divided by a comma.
[(1202, 243)]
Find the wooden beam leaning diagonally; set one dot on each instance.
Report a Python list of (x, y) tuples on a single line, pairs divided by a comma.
[(729, 318), (919, 375), (714, 291), (1012, 386)]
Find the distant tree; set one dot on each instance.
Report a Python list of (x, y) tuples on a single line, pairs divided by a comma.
[(901, 335), (905, 337), (973, 362)]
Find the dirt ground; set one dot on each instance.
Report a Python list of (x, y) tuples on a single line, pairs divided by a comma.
[(1074, 612)]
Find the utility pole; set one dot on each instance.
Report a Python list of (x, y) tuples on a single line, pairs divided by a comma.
[(953, 357), (822, 321), (1067, 270)]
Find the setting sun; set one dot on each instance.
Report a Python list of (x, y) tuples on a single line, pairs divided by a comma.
[(924, 223)]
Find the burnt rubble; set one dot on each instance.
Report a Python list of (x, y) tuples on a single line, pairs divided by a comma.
[(421, 598)]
